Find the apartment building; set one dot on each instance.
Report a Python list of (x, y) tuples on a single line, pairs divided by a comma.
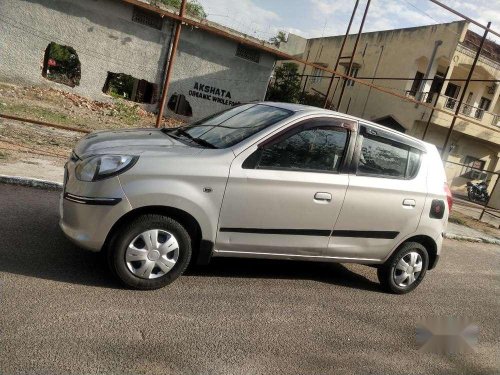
[(431, 64)]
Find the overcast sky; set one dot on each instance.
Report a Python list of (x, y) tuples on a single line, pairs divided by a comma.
[(316, 18)]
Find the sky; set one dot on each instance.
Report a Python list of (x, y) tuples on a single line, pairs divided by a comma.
[(316, 18)]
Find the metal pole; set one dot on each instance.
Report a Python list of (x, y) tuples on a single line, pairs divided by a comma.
[(170, 65), (492, 191), (466, 86), (304, 89), (340, 52), (353, 54)]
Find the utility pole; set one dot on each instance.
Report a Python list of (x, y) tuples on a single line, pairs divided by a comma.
[(466, 86), (170, 67)]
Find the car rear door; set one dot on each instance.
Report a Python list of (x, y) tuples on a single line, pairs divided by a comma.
[(385, 198), (284, 195)]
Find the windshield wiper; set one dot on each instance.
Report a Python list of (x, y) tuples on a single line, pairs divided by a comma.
[(182, 132)]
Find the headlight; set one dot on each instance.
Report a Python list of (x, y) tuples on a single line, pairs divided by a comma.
[(103, 166)]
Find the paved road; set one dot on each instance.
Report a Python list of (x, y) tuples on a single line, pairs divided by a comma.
[(60, 313)]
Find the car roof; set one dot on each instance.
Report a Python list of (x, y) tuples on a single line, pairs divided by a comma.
[(305, 109)]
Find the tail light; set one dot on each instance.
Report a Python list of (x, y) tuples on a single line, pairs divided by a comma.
[(449, 197)]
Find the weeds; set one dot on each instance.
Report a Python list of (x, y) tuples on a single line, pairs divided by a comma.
[(127, 113)]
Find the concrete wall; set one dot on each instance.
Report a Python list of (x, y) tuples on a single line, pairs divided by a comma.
[(107, 40), (204, 59), (295, 45), (101, 31)]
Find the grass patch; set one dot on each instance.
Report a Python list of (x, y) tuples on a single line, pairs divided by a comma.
[(461, 219), (3, 155), (37, 113), (457, 220)]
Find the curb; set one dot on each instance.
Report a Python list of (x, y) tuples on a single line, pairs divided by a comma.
[(31, 182), (457, 237)]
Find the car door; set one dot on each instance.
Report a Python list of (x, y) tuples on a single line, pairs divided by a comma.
[(284, 194), (385, 198)]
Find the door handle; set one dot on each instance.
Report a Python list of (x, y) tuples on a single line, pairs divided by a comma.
[(409, 203), (325, 197)]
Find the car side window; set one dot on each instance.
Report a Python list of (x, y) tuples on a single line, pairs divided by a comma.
[(311, 149), (386, 158)]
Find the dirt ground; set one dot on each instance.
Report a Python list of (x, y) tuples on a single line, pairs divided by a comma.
[(462, 216), (37, 151)]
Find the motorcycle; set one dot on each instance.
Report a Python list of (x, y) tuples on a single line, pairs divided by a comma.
[(478, 191)]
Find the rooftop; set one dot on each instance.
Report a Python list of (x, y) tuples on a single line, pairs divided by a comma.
[(490, 48)]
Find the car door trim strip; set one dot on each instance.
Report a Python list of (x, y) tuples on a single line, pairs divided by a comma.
[(298, 232), (317, 232)]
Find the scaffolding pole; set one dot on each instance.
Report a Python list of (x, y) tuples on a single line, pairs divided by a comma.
[(353, 54), (340, 53), (170, 67)]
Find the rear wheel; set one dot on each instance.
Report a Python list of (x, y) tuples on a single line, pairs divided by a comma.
[(149, 253), (406, 268), (470, 195)]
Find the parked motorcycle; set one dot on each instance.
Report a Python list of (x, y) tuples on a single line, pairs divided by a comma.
[(478, 191)]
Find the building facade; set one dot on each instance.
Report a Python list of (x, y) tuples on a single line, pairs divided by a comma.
[(112, 47), (431, 64)]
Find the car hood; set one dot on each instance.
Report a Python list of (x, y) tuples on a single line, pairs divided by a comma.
[(130, 142)]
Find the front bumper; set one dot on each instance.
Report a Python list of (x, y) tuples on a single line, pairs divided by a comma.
[(88, 225), (88, 210)]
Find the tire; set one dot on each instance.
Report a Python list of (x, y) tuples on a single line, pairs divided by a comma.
[(150, 252), (391, 272), (470, 195)]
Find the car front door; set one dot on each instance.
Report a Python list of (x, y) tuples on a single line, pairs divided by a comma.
[(385, 198), (284, 195)]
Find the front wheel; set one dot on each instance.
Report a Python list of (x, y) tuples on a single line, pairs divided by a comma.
[(405, 269), (150, 252)]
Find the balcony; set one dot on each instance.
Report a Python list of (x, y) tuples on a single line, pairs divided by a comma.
[(476, 113), (450, 104)]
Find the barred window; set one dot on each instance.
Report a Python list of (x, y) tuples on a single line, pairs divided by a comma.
[(148, 18), (248, 53)]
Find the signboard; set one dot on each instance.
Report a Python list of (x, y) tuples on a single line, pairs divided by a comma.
[(212, 93)]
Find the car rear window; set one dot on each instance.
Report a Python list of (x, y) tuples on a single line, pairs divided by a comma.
[(386, 158)]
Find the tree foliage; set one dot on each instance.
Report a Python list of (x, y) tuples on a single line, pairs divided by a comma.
[(278, 38), (286, 87), (193, 7)]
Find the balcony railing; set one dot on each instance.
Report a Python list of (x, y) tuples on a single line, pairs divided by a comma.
[(450, 104), (471, 111)]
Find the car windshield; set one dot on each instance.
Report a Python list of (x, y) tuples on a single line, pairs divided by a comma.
[(227, 128)]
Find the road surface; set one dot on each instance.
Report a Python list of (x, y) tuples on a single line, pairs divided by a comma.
[(61, 313)]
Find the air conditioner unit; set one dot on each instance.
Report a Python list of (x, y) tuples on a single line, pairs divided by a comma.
[(492, 88)]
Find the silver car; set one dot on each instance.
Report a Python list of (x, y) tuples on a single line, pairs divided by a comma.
[(260, 180)]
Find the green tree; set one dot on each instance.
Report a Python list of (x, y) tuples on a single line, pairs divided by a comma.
[(286, 87), (193, 7), (278, 38)]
